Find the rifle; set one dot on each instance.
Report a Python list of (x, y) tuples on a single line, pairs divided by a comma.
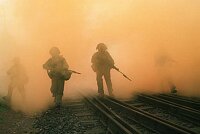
[(74, 72), (122, 73), (67, 74)]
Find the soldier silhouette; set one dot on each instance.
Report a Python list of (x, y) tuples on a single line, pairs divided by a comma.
[(102, 63), (57, 69), (18, 79), (164, 63)]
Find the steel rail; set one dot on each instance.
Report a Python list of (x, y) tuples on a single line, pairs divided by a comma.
[(113, 125), (115, 116), (163, 126), (193, 99), (185, 102), (183, 110)]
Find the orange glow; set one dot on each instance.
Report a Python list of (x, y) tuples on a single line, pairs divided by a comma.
[(136, 32)]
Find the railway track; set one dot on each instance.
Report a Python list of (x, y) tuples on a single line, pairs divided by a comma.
[(185, 112), (193, 99), (178, 115), (110, 116), (74, 117), (149, 120), (86, 116), (189, 102)]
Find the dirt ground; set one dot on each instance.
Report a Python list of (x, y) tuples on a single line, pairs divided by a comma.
[(12, 122)]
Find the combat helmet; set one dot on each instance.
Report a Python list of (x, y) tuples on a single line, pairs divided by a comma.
[(54, 51), (101, 46)]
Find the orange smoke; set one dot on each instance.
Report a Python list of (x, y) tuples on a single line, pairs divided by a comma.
[(137, 32)]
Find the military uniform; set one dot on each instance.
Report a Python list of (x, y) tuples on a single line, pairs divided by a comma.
[(102, 63), (56, 66)]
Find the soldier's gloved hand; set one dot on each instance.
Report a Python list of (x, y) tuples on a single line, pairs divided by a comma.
[(70, 71)]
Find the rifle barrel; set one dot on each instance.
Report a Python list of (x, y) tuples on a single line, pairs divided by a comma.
[(75, 72), (122, 73)]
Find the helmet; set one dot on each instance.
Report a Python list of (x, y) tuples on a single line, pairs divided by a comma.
[(54, 51), (101, 46)]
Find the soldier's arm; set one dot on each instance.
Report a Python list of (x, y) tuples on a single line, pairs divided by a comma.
[(47, 65), (94, 61), (111, 61), (94, 58), (65, 64)]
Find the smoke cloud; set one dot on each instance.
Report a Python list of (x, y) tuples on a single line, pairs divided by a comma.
[(153, 42)]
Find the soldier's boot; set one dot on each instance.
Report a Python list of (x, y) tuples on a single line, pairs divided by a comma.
[(101, 94), (111, 94)]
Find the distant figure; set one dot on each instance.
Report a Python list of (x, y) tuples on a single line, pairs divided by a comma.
[(57, 67), (164, 63), (172, 87), (18, 79), (102, 63)]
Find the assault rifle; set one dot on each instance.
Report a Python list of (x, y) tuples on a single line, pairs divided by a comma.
[(122, 73), (66, 74), (74, 72)]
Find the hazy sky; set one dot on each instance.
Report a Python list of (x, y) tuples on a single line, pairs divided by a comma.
[(137, 33)]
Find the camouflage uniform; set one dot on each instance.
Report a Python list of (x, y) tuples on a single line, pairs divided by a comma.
[(56, 66), (102, 63), (18, 79)]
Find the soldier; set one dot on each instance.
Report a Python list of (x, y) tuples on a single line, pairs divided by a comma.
[(18, 79), (164, 64), (102, 63), (56, 67)]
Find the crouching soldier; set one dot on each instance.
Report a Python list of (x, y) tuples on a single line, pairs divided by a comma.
[(57, 69), (102, 63)]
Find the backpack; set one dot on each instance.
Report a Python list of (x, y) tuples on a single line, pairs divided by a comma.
[(65, 74)]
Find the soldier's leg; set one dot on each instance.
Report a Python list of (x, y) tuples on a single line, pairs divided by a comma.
[(22, 92), (59, 92), (10, 92), (58, 100), (61, 85), (108, 82), (53, 86), (100, 82)]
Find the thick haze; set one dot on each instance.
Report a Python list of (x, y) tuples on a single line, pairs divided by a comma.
[(153, 42)]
